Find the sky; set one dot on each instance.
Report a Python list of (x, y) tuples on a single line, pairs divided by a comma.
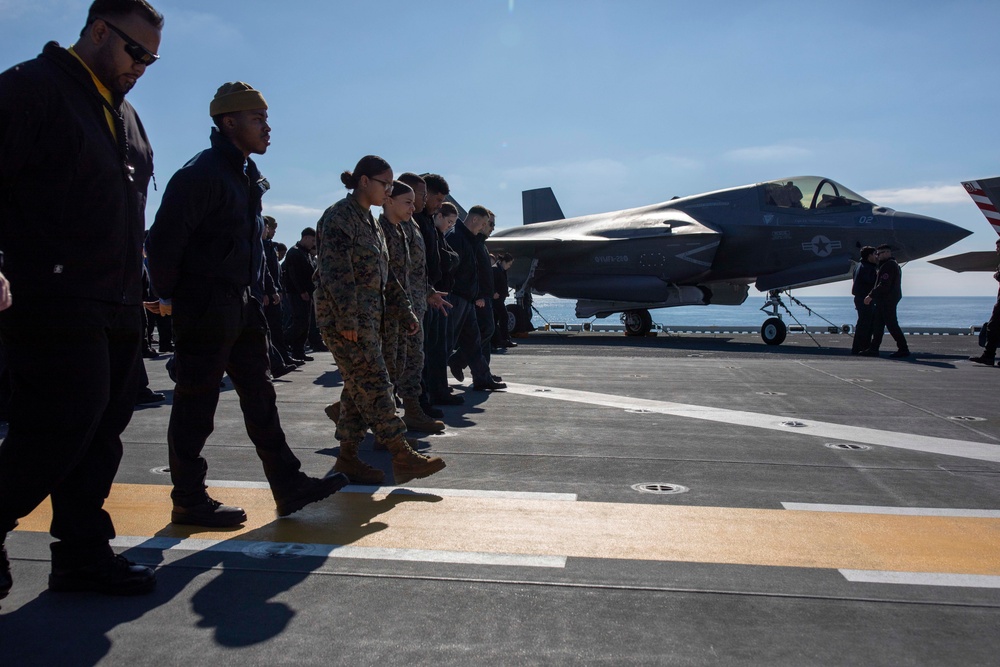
[(612, 104)]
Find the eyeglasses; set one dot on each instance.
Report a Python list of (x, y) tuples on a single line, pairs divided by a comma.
[(387, 186), (137, 51)]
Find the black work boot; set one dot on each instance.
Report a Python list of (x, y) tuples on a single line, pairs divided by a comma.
[(210, 513), (115, 575), (429, 409), (307, 490), (985, 358)]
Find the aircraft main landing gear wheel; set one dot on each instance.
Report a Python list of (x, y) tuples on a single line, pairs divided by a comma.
[(518, 319), (773, 331), (637, 322)]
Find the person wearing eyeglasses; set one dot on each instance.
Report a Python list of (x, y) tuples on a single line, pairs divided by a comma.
[(356, 292), (206, 253), (75, 163), (886, 295)]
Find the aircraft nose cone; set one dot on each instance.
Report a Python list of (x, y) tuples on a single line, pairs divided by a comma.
[(917, 236)]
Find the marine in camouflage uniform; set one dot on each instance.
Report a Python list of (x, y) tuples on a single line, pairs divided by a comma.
[(393, 348), (418, 289), (356, 291), (398, 348)]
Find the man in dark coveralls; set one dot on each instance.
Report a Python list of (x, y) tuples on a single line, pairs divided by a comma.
[(205, 252), (74, 167), (886, 295), (298, 269), (864, 280), (989, 355)]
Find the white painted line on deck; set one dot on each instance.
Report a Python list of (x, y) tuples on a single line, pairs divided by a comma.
[(402, 490), (307, 550), (922, 578), (979, 451), (906, 511)]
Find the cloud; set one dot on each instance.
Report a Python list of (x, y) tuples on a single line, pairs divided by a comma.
[(931, 194), (292, 209), (775, 153)]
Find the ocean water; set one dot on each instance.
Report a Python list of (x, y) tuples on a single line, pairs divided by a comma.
[(916, 311)]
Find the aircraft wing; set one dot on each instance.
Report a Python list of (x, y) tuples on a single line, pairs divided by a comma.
[(562, 237), (969, 261), (545, 246)]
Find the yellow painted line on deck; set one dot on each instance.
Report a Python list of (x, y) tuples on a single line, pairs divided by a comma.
[(789, 538)]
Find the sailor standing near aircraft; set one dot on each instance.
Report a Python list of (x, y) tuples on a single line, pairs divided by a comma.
[(989, 355), (886, 295), (865, 275)]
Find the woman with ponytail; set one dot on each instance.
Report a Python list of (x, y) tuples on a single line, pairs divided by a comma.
[(356, 291)]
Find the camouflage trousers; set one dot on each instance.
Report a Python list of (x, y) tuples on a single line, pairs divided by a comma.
[(404, 357), (366, 400), (393, 349)]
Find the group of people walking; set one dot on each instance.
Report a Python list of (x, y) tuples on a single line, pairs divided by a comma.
[(392, 299)]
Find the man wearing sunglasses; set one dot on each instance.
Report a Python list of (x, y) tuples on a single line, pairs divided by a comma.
[(75, 163)]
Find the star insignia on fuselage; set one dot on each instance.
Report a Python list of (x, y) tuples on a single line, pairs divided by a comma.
[(822, 246)]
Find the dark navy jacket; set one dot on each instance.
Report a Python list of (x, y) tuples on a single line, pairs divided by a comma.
[(485, 270), (429, 232), (209, 225), (466, 273), (864, 280), (888, 288), (298, 269), (72, 197)]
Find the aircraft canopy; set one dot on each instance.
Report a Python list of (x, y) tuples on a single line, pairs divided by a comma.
[(809, 192)]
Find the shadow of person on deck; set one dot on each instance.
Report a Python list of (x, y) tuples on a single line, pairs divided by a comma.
[(241, 577)]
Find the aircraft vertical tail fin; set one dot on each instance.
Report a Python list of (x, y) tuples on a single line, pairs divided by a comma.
[(986, 194), (540, 206), (462, 213)]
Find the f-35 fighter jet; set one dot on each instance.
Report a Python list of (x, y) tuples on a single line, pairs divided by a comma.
[(705, 249)]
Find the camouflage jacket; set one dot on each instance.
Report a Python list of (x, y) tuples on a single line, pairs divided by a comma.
[(399, 252), (355, 287), (419, 285)]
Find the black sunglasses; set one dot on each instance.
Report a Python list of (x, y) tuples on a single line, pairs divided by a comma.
[(137, 51)]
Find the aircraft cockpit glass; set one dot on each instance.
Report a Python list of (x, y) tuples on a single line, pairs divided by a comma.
[(810, 192)]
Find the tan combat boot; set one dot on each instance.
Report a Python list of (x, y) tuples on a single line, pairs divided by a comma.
[(359, 472), (333, 412), (414, 444), (407, 464), (417, 420)]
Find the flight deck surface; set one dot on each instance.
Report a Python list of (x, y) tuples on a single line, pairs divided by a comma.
[(679, 499)]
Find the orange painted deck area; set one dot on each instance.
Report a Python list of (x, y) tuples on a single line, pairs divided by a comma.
[(788, 538)]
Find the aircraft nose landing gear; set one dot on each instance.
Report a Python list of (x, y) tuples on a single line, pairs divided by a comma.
[(773, 331)]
